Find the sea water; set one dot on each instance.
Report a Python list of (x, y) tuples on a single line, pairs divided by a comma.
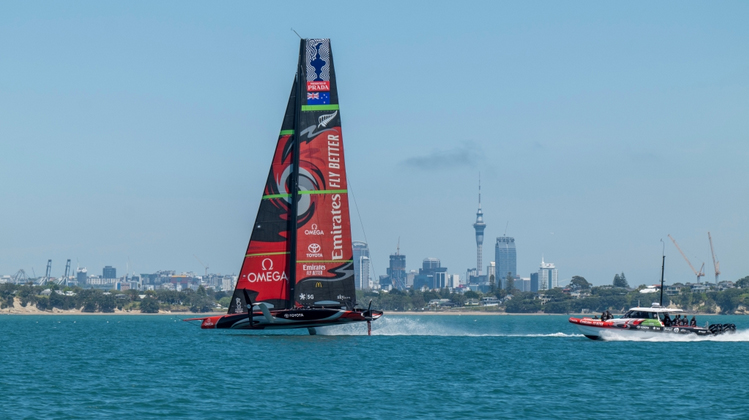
[(452, 366)]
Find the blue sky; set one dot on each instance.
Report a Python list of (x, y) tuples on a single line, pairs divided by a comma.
[(143, 131)]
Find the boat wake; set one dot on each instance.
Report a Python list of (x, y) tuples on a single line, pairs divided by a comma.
[(401, 326), (738, 336)]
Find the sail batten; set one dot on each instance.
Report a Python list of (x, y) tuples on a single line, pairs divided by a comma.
[(300, 250)]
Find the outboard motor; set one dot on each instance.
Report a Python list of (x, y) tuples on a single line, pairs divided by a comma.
[(721, 328)]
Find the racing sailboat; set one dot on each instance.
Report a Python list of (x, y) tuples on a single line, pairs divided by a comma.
[(298, 270)]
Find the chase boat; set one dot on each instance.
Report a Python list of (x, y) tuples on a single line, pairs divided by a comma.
[(643, 322)]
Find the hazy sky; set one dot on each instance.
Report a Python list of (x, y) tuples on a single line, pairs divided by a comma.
[(143, 131)]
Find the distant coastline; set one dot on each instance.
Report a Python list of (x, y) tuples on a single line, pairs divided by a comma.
[(466, 313), (31, 309)]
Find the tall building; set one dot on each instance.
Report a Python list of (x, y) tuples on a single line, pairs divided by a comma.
[(547, 276), (431, 275), (479, 226), (361, 265), (366, 269), (109, 272), (396, 272), (524, 284), (81, 275), (506, 257), (534, 282), (491, 273)]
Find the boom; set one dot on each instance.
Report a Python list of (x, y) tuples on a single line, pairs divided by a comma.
[(696, 273), (716, 264)]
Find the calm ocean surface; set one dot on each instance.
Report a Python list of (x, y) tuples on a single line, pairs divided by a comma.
[(412, 367)]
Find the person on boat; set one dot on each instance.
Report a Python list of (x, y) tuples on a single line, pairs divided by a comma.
[(603, 316), (677, 320), (608, 315), (693, 322), (666, 320)]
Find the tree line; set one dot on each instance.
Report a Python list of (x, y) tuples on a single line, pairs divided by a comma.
[(94, 300), (617, 297)]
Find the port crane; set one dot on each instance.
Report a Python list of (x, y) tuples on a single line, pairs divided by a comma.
[(716, 263), (48, 273), (64, 278), (700, 273), (201, 263), (20, 277)]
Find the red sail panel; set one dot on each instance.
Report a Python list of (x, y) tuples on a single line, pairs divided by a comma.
[(267, 261), (324, 266)]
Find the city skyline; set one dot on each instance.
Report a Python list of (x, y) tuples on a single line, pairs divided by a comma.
[(597, 131)]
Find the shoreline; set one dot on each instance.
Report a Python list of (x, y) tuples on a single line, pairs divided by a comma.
[(116, 312), (461, 313), (31, 309)]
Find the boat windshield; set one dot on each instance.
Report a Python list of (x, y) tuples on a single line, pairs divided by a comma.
[(641, 314)]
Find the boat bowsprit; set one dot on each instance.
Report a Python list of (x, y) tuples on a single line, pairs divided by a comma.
[(650, 322), (298, 269)]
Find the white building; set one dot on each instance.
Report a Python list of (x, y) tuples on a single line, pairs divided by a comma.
[(362, 278), (365, 280), (547, 276), (491, 270), (227, 283), (524, 284)]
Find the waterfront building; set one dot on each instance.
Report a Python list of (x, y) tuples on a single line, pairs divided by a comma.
[(385, 283), (505, 257), (534, 282), (470, 274), (479, 226), (440, 278), (366, 268), (361, 265), (410, 276), (109, 272), (227, 284), (547, 276), (396, 272), (431, 275), (523, 284), (81, 276), (491, 273)]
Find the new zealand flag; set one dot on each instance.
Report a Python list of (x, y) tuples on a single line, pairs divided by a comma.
[(318, 98)]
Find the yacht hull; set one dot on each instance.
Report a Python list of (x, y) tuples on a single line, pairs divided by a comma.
[(287, 319)]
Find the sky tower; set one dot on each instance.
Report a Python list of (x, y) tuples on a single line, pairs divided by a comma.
[(479, 226)]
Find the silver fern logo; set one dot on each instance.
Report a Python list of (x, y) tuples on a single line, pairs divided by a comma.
[(325, 119)]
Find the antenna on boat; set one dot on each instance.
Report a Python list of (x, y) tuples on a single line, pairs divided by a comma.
[(663, 266), (297, 33)]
